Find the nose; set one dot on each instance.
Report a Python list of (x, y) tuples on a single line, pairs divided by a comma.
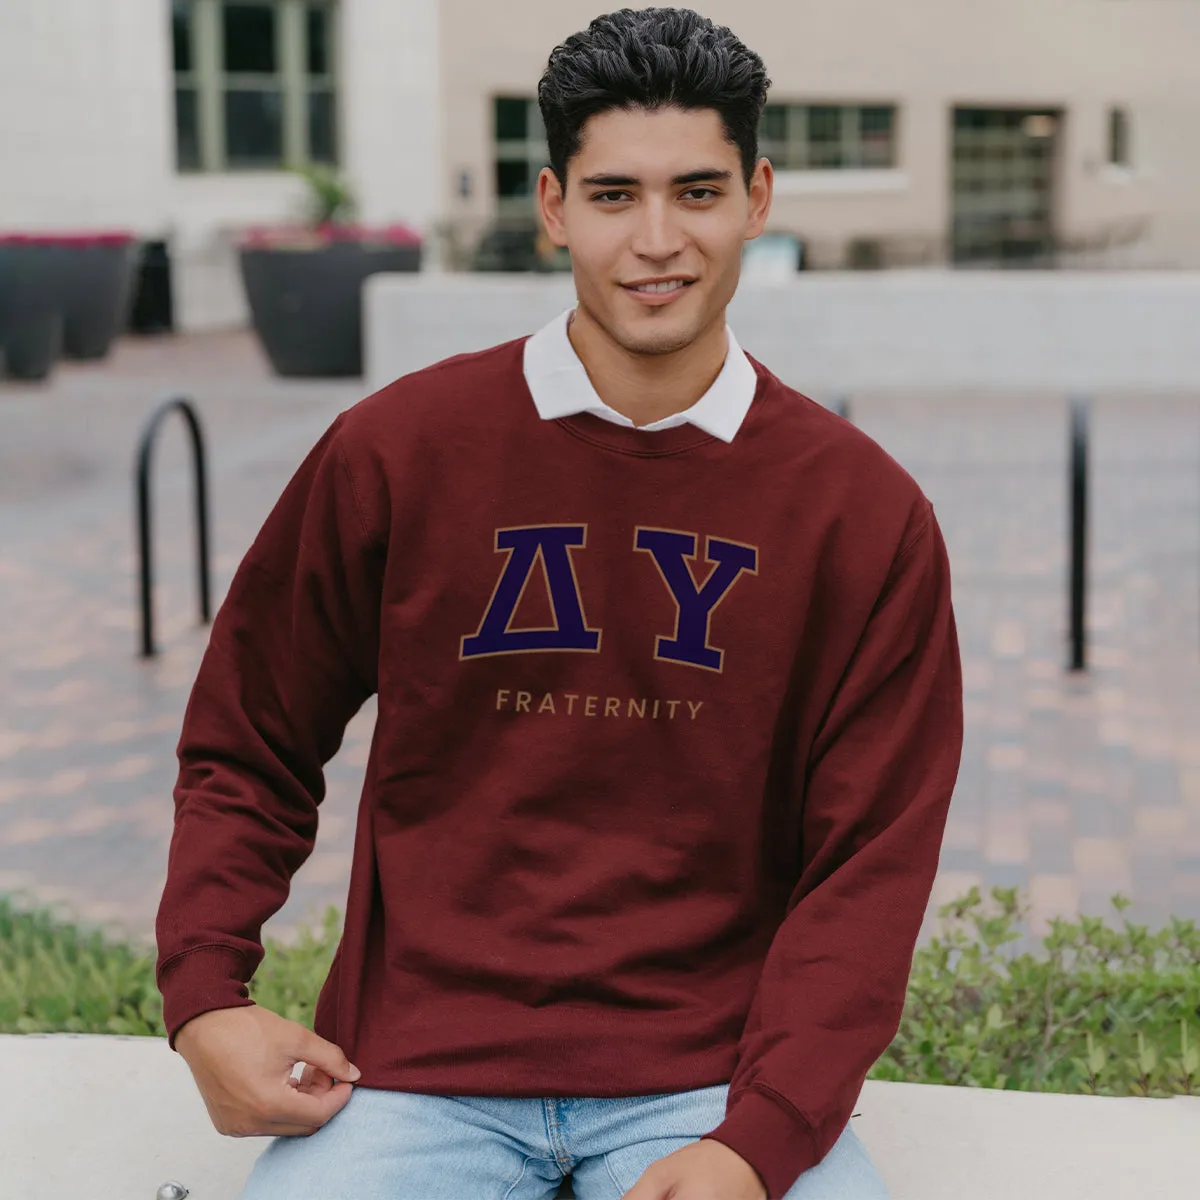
[(657, 236)]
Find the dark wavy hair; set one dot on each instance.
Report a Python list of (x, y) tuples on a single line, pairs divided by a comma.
[(650, 58)]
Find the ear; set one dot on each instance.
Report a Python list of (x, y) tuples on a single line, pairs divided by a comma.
[(762, 190), (550, 205)]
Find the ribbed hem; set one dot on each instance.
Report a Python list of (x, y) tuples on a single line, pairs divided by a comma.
[(199, 980), (774, 1140)]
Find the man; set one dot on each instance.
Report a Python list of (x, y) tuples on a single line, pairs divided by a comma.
[(669, 718)]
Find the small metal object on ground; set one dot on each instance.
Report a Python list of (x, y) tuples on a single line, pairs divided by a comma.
[(171, 1191), (145, 545)]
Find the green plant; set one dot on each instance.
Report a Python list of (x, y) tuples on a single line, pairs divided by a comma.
[(330, 197), (1104, 1011), (1112, 1012), (55, 978), (290, 985)]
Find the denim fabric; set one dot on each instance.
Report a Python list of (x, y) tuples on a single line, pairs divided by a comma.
[(386, 1145)]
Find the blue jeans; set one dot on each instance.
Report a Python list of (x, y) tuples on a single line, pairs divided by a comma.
[(386, 1145)]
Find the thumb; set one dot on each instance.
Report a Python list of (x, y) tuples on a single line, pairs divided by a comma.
[(648, 1187), (315, 1050)]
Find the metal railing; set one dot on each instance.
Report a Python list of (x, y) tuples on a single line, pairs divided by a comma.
[(1080, 436), (1077, 483), (145, 549), (1077, 488)]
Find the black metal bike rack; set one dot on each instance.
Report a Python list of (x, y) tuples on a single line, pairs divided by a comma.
[(145, 451), (1080, 421), (1078, 488), (1077, 495)]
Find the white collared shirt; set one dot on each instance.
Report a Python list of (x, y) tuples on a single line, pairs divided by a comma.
[(560, 386)]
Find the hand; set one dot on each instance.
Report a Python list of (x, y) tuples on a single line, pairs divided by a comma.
[(703, 1170), (242, 1059)]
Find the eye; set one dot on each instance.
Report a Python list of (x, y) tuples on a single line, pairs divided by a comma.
[(710, 191), (601, 195)]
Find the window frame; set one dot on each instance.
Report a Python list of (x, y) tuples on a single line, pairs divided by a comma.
[(795, 151), (185, 81), (210, 83), (533, 150)]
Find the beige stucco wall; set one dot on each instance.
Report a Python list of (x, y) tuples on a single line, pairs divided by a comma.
[(926, 56)]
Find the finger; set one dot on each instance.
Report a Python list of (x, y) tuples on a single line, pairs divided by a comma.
[(315, 1081), (314, 1074), (311, 1080), (648, 1187), (295, 1107), (316, 1051)]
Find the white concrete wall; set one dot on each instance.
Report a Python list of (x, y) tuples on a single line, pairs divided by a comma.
[(391, 72), (86, 126), (113, 1118), (829, 333)]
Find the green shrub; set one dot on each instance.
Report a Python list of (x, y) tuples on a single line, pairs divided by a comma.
[(55, 978), (1112, 1012), (1103, 1011), (291, 975)]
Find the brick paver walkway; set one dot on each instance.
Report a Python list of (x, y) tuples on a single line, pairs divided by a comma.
[(1073, 787)]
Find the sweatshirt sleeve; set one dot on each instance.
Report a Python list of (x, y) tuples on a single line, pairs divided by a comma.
[(291, 657), (877, 783)]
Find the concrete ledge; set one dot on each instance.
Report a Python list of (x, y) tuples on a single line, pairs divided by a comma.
[(112, 1118), (821, 332)]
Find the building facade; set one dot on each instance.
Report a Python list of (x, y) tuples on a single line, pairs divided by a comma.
[(934, 132)]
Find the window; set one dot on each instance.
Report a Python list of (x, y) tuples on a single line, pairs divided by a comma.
[(187, 127), (251, 87), (823, 137), (1118, 137), (320, 93), (521, 152), (255, 83), (792, 136)]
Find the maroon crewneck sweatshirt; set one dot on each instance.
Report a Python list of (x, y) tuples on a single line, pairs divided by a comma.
[(667, 733)]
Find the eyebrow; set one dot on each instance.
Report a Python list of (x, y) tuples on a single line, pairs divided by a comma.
[(704, 175)]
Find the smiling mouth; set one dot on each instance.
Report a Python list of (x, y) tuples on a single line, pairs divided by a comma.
[(660, 289)]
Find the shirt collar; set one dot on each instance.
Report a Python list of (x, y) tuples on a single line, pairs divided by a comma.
[(560, 386)]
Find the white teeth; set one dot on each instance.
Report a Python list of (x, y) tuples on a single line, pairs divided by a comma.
[(670, 286)]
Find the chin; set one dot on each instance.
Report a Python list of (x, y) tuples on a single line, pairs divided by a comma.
[(661, 343), (658, 337)]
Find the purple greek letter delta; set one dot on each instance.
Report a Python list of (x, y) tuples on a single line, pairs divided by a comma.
[(570, 631)]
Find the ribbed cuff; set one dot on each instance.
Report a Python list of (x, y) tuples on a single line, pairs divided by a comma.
[(773, 1140), (197, 981)]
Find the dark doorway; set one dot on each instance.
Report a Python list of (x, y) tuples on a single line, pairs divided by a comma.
[(1003, 174)]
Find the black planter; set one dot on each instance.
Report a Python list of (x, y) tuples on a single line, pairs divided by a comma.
[(33, 347), (152, 310), (95, 283), (306, 304), (31, 321)]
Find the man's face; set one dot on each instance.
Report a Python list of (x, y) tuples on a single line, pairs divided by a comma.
[(652, 194)]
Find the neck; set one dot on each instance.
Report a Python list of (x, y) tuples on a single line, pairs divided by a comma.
[(647, 387)]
